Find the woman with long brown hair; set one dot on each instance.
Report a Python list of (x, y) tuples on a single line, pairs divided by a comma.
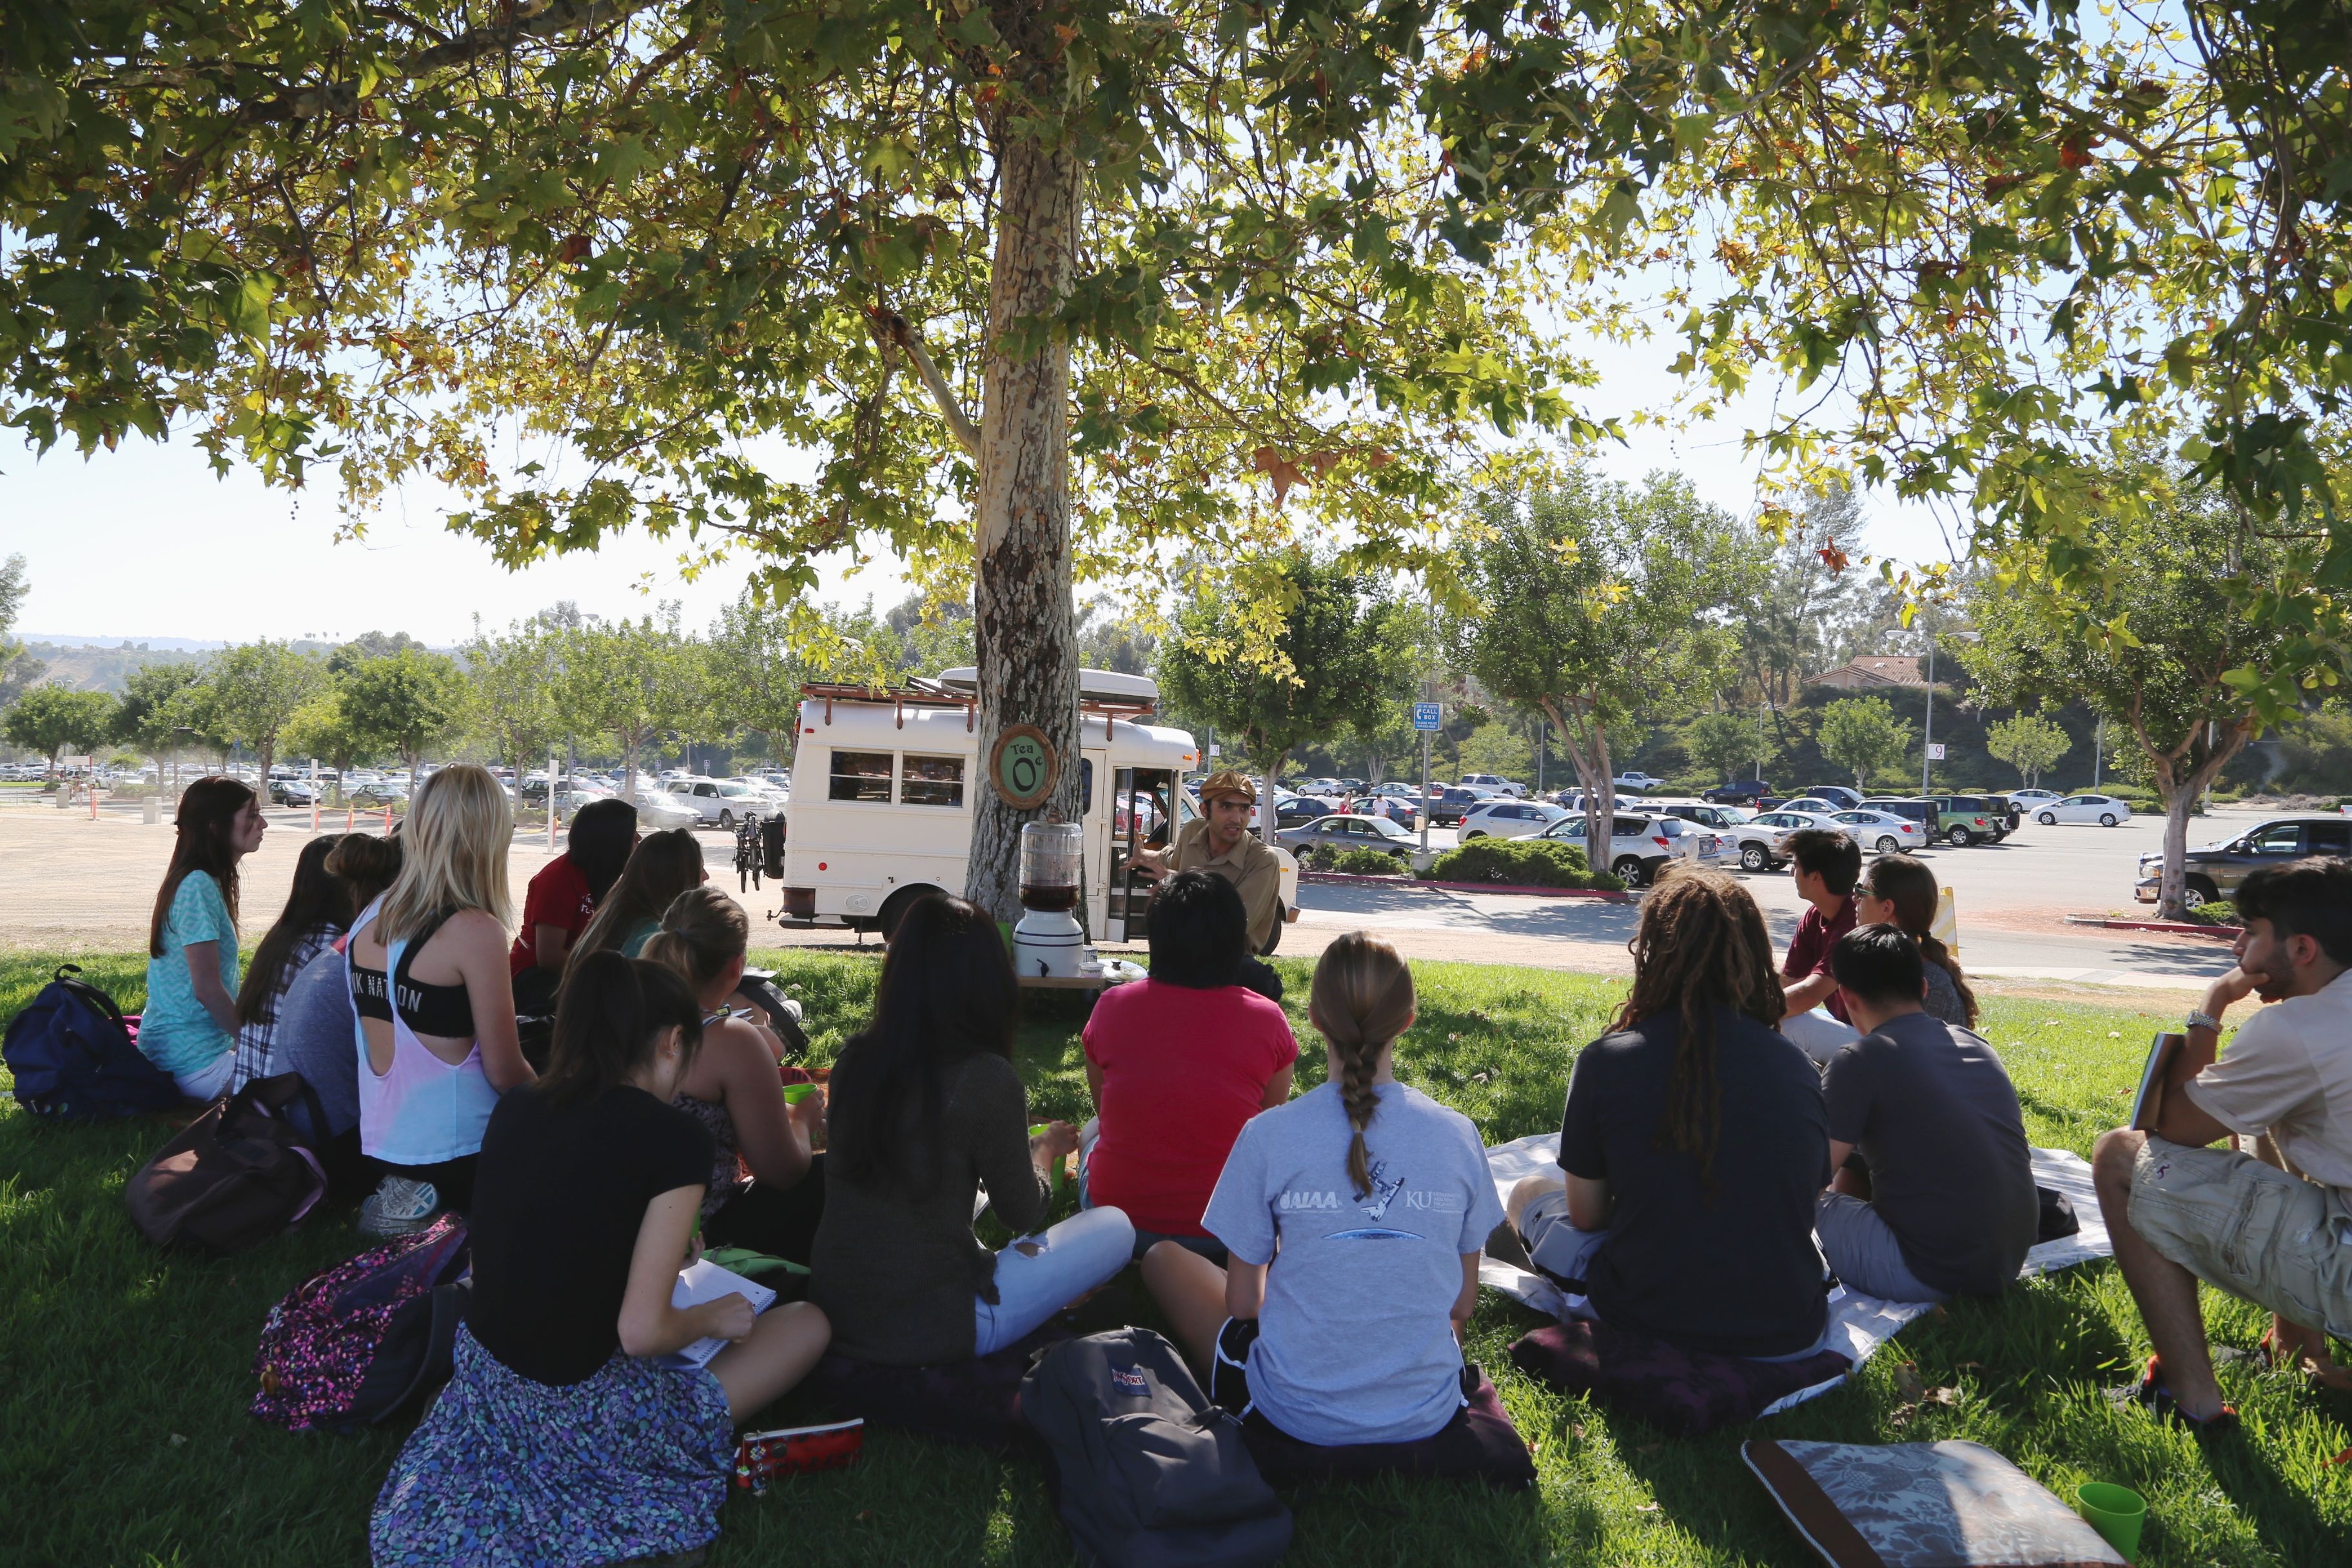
[(1898, 890), (1692, 1144), (1352, 1219), (189, 1027)]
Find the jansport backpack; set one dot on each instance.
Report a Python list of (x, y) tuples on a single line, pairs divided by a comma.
[(238, 1175), (358, 1343), (1145, 1473), (73, 1058)]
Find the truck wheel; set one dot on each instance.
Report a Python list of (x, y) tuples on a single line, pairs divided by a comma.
[(2201, 891), (1961, 837), (895, 908), (1755, 858), (726, 817)]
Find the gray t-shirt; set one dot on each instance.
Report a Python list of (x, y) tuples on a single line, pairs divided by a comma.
[(1354, 1342), (318, 1037), (1932, 1109)]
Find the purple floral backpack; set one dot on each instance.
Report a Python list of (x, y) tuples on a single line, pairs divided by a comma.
[(358, 1343)]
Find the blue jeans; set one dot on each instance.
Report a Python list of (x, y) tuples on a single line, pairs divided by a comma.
[(1072, 1258)]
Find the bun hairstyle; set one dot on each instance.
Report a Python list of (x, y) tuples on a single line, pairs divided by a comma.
[(702, 931), (206, 817), (1701, 945), (366, 864), (608, 1016), (1910, 887), (1361, 1001)]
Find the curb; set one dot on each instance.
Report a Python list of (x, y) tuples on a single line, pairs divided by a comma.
[(1348, 879), (2178, 928)]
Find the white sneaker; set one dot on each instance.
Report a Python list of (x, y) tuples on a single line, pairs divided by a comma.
[(398, 1207)]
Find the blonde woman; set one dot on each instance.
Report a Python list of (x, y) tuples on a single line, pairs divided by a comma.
[(1353, 1217), (435, 1001)]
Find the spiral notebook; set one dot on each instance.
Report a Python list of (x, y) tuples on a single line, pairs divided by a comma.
[(706, 1281)]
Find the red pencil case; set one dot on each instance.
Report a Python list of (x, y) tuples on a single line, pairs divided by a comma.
[(762, 1456)]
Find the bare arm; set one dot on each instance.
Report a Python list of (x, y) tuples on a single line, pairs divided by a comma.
[(1810, 992), (1587, 1202), (1245, 1288), (549, 946), (1467, 1301), (649, 1325), (479, 952), (203, 975), (2180, 1120), (1839, 1154), (773, 1140), (1278, 1087)]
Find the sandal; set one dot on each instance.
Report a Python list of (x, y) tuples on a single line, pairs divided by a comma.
[(2150, 1394)]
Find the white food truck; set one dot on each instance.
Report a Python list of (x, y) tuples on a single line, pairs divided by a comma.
[(883, 785)]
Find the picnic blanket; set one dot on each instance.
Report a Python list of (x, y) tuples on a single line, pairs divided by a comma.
[(1859, 1324)]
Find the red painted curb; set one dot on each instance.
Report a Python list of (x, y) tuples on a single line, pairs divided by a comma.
[(1350, 878), (2178, 928)]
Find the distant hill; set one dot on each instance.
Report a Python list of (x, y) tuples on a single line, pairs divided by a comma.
[(91, 668), (174, 645)]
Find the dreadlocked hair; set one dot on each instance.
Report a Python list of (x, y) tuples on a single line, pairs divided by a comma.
[(1701, 945), (1361, 1001)]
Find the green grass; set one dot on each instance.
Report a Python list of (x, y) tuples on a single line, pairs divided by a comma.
[(125, 1438)]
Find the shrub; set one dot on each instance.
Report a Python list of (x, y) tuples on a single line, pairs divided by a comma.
[(1526, 862), (2221, 912), (1369, 863)]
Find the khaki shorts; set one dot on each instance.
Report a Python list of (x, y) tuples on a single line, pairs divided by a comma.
[(2249, 1228)]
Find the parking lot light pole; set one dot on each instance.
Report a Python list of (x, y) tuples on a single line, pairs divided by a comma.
[(1927, 741)]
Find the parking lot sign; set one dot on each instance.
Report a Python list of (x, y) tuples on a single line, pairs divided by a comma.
[(1936, 752), (1427, 716)]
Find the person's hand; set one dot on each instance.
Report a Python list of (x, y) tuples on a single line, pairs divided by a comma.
[(694, 1249), (809, 1112), (729, 1318), (1058, 1139), (2235, 987)]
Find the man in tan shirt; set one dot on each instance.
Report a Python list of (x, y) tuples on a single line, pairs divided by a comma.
[(1219, 841)]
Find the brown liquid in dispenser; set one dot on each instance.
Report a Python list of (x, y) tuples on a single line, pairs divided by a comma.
[(1049, 901)]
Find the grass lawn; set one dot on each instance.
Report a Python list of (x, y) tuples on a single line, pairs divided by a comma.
[(125, 1438)]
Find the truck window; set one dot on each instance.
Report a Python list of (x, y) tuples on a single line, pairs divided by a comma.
[(861, 775), (930, 781)]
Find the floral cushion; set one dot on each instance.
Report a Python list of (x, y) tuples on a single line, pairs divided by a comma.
[(1923, 1505)]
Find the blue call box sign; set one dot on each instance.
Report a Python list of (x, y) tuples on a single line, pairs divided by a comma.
[(1427, 716)]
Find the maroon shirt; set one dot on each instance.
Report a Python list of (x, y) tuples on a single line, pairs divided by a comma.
[(1808, 949)]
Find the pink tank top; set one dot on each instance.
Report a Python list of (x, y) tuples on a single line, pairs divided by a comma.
[(423, 1111)]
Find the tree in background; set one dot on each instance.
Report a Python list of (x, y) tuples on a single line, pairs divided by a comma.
[(2160, 640), (49, 720), (322, 728), (1340, 664), (1111, 638), (632, 680), (164, 710), (18, 670), (407, 702), (1725, 744), (1496, 747), (1862, 735), (2028, 742), (254, 688), (508, 703), (1597, 598)]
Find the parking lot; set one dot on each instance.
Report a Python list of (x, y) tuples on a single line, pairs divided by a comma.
[(68, 883)]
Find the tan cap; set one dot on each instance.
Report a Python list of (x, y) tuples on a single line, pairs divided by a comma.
[(1228, 782)]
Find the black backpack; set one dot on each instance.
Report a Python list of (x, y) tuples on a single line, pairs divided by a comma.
[(1145, 1471), (73, 1059)]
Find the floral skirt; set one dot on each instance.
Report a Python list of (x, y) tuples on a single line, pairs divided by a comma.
[(506, 1472)]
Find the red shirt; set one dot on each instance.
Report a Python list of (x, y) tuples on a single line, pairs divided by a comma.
[(559, 896), (1808, 949), (1182, 1070)]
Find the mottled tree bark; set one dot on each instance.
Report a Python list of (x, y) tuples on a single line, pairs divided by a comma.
[(1024, 624)]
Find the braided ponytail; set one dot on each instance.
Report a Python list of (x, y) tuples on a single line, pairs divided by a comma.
[(1361, 1001)]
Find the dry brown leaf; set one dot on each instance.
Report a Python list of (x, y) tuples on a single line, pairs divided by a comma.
[(1280, 470), (1908, 1382), (1943, 1396), (1647, 1508), (1322, 463)]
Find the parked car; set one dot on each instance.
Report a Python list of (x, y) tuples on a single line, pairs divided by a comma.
[(1508, 819), (1847, 799), (1631, 779), (1298, 810), (1573, 800), (2103, 809), (378, 794), (1454, 804), (1914, 808), (291, 791), (659, 811), (718, 801), (1720, 818), (1738, 791), (1639, 847), (1499, 786), (2034, 798), (1973, 818), (1882, 830), (1348, 833), (1762, 842), (2213, 871), (1391, 808), (1817, 805)]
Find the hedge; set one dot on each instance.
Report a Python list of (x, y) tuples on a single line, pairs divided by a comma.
[(1524, 862)]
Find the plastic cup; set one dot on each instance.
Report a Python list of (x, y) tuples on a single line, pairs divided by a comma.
[(2116, 1512), (796, 1092)]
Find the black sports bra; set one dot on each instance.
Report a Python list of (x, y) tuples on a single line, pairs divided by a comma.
[(444, 1010)]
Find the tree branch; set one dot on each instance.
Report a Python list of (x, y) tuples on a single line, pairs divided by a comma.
[(894, 330)]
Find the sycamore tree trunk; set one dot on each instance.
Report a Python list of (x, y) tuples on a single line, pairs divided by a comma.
[(1268, 823), (1587, 743), (2180, 781), (1024, 628)]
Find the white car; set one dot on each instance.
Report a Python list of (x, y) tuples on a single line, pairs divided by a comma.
[(2034, 794), (1881, 830), (659, 812), (1507, 820), (771, 797), (1639, 847), (2103, 809), (1635, 780), (720, 801), (1496, 782), (1761, 841)]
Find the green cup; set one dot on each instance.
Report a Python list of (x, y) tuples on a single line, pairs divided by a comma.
[(2116, 1512), (796, 1092), (1053, 1166)]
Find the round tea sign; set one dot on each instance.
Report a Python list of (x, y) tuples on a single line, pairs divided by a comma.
[(1023, 767)]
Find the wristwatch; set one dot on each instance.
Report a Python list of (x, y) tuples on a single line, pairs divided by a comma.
[(2197, 1020)]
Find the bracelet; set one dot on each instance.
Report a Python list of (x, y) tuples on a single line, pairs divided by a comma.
[(2197, 1020)]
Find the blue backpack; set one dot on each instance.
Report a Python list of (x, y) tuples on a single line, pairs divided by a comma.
[(73, 1059)]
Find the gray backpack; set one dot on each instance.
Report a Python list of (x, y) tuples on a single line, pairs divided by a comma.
[(1145, 1471)]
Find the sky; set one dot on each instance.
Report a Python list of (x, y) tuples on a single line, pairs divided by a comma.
[(146, 543)]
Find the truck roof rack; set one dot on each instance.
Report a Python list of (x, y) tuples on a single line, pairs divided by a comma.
[(922, 691)]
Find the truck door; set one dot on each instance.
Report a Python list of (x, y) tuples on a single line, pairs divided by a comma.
[(1141, 804)]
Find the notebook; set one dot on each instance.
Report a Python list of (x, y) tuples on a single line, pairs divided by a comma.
[(2149, 1103), (706, 1281)]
